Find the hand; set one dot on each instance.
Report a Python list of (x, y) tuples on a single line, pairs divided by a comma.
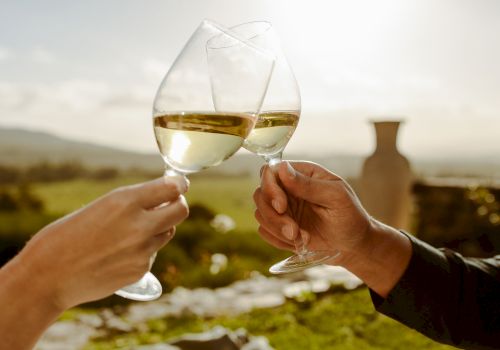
[(330, 218), (91, 253)]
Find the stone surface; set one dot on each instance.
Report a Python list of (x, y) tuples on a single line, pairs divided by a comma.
[(220, 338), (240, 297), (156, 347), (66, 335)]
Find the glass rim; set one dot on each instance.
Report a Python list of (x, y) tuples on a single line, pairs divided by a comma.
[(239, 39), (268, 25)]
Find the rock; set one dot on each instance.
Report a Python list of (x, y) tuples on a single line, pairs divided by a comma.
[(142, 312), (247, 302), (257, 343), (115, 323), (66, 335), (335, 275), (220, 338), (242, 296), (156, 347), (91, 320)]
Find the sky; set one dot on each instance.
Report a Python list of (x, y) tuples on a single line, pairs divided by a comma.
[(89, 70)]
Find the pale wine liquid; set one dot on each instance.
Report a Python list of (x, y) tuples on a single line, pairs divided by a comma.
[(272, 132), (193, 141)]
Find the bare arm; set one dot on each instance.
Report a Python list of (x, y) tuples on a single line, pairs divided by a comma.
[(86, 255), (27, 304)]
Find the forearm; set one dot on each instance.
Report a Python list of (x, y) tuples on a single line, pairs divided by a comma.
[(381, 259), (26, 305)]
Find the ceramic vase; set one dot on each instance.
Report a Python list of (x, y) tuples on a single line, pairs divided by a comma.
[(386, 179)]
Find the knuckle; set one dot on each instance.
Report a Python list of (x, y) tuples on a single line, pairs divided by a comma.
[(257, 194), (119, 198), (184, 210), (172, 189), (257, 215)]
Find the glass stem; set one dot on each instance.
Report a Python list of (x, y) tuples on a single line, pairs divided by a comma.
[(172, 172), (300, 246)]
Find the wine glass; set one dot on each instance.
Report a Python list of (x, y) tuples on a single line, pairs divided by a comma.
[(205, 107), (275, 126)]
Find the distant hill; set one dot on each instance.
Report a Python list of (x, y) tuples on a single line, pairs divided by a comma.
[(24, 147), (21, 147)]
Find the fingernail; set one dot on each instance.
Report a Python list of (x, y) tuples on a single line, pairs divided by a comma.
[(261, 171), (291, 170), (181, 182), (171, 233), (287, 231), (276, 205)]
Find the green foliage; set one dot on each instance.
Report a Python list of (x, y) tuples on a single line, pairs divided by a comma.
[(54, 172), (186, 260), (19, 198), (16, 228), (9, 175), (464, 219)]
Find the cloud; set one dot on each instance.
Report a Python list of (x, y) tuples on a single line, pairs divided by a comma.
[(91, 110), (42, 55), (5, 54), (155, 69)]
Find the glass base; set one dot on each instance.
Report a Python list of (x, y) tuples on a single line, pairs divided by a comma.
[(146, 289), (303, 261)]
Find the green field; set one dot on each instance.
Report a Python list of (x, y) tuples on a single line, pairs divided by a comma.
[(226, 195)]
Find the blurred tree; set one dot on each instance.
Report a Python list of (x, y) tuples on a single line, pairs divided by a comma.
[(27, 199), (463, 219), (10, 175), (104, 174), (8, 202)]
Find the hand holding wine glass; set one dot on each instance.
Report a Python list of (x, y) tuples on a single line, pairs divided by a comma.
[(205, 107), (277, 121)]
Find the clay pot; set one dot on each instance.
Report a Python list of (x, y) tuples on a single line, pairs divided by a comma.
[(386, 179)]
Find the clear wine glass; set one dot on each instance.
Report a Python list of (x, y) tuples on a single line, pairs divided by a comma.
[(275, 126), (205, 107)]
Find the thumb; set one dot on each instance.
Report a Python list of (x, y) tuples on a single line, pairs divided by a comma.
[(299, 185)]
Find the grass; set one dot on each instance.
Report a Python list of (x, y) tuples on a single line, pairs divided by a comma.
[(226, 195), (336, 321)]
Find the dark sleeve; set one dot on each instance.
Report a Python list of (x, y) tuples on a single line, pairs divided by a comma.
[(449, 298)]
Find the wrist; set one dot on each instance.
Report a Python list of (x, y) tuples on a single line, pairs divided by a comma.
[(381, 258)]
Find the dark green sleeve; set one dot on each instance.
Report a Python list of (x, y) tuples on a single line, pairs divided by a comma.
[(449, 298)]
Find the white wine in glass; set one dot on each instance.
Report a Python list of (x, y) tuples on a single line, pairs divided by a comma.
[(193, 141), (205, 107), (272, 132), (276, 123)]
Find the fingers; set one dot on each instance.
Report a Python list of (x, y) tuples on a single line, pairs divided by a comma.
[(159, 240), (272, 191), (317, 189), (275, 222), (166, 216), (275, 241), (153, 193)]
